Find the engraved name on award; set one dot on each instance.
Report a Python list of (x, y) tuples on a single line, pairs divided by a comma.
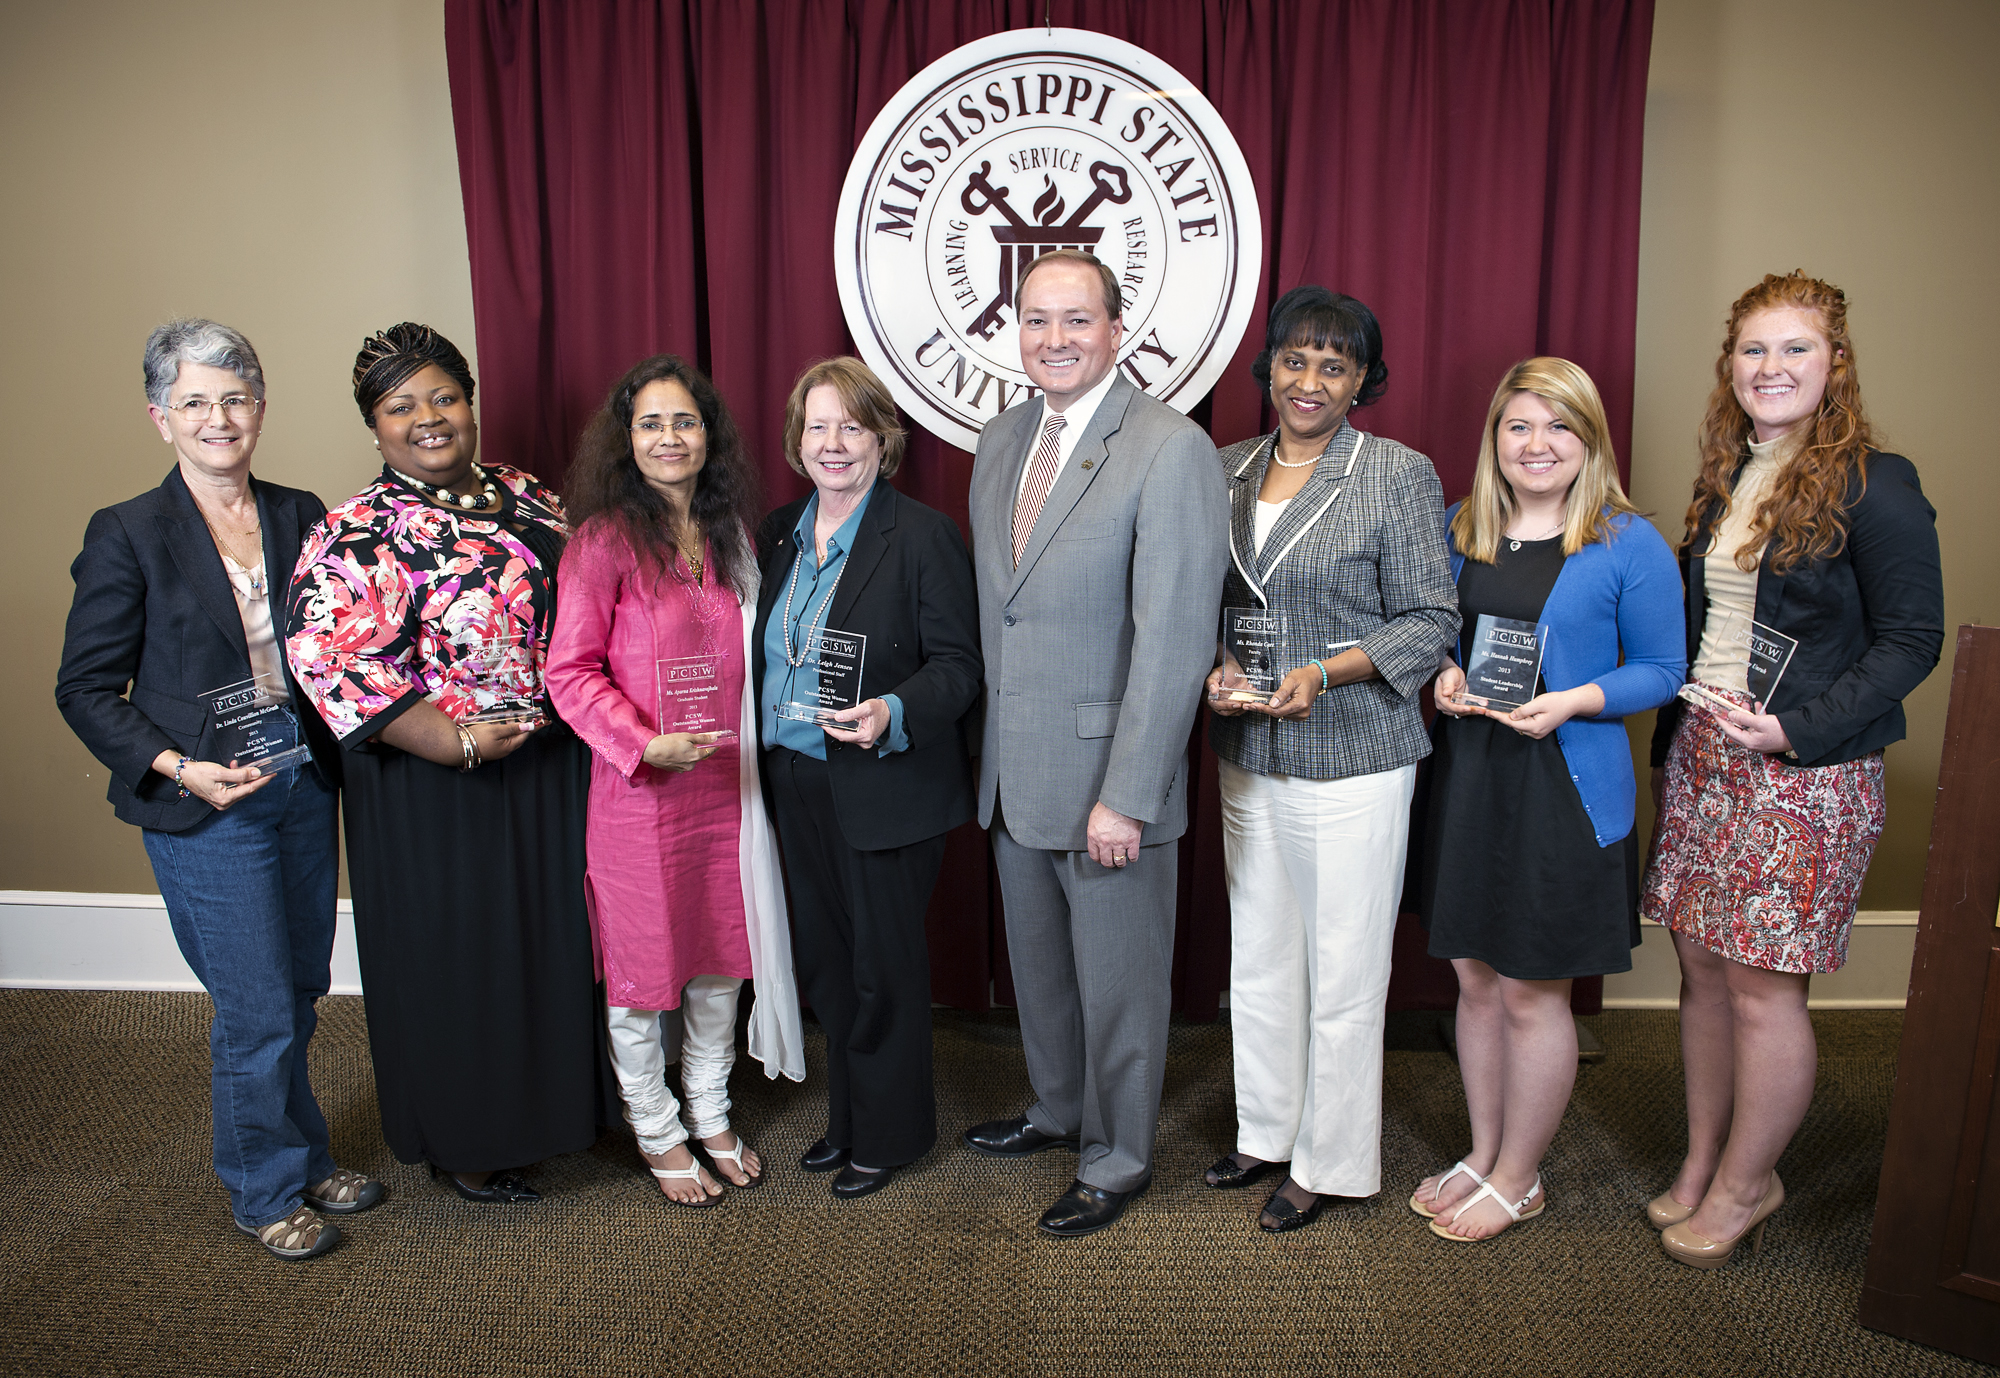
[(690, 690), (1253, 650), (252, 727), (1504, 662), (837, 656)]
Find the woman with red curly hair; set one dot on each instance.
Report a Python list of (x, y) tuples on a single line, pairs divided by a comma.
[(1803, 540)]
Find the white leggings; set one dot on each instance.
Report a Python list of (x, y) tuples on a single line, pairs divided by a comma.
[(708, 1051)]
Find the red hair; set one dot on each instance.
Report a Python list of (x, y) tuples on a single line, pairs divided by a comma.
[(1804, 515)]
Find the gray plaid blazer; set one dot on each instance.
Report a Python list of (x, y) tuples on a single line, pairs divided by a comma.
[(1358, 559)]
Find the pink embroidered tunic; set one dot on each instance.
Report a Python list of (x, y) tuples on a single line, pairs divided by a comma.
[(675, 887)]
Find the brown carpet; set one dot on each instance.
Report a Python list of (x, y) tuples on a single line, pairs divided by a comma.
[(117, 1255)]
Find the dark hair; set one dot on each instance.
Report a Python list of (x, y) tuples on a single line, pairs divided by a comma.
[(1319, 319), (862, 395), (604, 482), (389, 358), (1107, 280)]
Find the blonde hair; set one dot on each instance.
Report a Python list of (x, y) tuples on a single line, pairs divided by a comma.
[(1592, 499), (863, 397)]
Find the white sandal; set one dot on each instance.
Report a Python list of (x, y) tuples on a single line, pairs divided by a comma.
[(1515, 1212), (734, 1155), (1438, 1190), (690, 1173)]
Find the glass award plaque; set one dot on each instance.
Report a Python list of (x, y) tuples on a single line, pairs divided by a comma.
[(690, 694), (252, 727), (837, 656), (1253, 654), (505, 683), (1503, 662), (1767, 654)]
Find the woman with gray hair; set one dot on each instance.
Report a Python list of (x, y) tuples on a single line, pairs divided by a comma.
[(173, 613)]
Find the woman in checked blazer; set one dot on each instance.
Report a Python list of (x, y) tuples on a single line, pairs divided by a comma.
[(1343, 534)]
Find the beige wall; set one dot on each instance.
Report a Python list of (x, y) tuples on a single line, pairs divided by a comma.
[(1856, 141), (1857, 144), (286, 168)]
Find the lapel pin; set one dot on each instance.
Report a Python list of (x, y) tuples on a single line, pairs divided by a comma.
[(1086, 464)]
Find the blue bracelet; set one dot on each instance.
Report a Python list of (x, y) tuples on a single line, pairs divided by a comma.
[(1320, 665), (178, 767)]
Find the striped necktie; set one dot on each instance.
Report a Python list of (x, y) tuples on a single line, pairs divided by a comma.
[(1041, 478)]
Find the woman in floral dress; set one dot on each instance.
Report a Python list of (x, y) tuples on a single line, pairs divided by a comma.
[(464, 838)]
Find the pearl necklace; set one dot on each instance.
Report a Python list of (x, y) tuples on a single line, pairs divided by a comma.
[(805, 642), (1283, 463), (478, 502)]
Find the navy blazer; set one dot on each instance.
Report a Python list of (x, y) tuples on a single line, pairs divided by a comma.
[(154, 614), (907, 588), (1869, 620)]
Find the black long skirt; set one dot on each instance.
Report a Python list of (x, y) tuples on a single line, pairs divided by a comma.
[(1512, 873), (484, 1020)]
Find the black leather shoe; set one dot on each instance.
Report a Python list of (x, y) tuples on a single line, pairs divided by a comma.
[(502, 1188), (1226, 1173), (1085, 1209), (1015, 1138), (1288, 1216), (851, 1184), (823, 1157)]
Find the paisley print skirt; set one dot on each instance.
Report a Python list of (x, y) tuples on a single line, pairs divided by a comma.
[(1758, 860)]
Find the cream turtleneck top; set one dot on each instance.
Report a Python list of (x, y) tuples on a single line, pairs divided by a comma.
[(1731, 589)]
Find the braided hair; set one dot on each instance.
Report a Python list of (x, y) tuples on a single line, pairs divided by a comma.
[(389, 358)]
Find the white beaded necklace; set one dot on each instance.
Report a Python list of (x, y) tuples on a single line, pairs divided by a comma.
[(478, 502), (805, 642)]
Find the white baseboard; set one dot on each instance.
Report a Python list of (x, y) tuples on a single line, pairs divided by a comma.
[(61, 940)]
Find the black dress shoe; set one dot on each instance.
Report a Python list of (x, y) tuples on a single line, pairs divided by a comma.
[(1226, 1173), (823, 1157), (1288, 1216), (502, 1188), (1015, 1138), (852, 1183), (1085, 1209)]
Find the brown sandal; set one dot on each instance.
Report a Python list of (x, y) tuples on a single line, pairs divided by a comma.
[(302, 1234), (344, 1193)]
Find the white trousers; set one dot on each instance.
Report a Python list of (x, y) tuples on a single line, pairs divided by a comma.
[(1315, 880), (708, 1051)]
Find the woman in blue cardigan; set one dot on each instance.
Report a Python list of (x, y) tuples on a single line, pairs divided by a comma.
[(1531, 870)]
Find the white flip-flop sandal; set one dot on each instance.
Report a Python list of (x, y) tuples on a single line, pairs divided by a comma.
[(734, 1155), (1515, 1211), (690, 1173), (1417, 1205)]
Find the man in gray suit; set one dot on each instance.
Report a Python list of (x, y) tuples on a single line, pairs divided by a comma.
[(1100, 534)]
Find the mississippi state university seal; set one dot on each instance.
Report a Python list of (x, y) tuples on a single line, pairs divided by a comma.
[(1018, 145)]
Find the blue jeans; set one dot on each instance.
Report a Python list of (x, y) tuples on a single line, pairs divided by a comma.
[(250, 894)]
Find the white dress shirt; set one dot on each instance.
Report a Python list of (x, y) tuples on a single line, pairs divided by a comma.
[(1076, 420)]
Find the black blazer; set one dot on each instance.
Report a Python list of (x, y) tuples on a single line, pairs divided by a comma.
[(908, 588), (154, 611), (1869, 620)]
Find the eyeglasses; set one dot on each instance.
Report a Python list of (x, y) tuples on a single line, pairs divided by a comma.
[(237, 408), (681, 425)]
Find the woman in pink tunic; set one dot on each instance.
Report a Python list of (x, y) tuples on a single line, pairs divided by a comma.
[(647, 665)]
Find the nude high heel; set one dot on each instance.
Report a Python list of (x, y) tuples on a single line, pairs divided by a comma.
[(1687, 1247), (1663, 1211)]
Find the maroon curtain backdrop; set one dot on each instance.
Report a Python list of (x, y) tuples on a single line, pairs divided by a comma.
[(649, 175)]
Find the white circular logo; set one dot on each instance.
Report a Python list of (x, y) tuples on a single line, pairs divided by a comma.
[(1017, 145)]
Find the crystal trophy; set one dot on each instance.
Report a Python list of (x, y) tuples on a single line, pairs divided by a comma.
[(837, 656), (1504, 662), (1767, 655), (505, 683), (690, 694), (252, 727), (1253, 650)]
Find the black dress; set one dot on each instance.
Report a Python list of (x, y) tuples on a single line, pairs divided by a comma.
[(1512, 873), (485, 1021)]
